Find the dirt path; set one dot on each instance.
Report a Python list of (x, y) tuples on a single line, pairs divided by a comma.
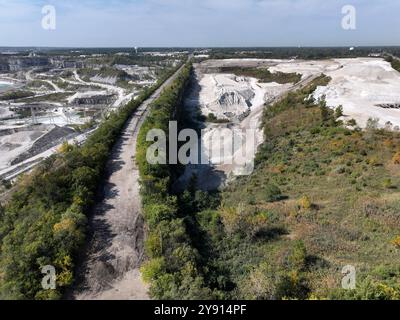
[(110, 268)]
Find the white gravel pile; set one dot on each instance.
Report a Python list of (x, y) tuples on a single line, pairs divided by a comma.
[(359, 85)]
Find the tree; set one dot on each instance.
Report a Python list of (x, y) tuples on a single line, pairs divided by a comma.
[(297, 257), (325, 112), (352, 123), (339, 112), (372, 124)]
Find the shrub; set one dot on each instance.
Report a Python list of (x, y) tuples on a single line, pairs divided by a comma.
[(152, 269), (339, 112), (396, 242), (396, 158), (387, 183), (305, 203), (272, 193), (352, 123), (243, 221), (297, 257)]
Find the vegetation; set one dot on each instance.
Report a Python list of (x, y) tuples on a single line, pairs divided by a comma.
[(53, 97), (299, 52), (394, 62), (44, 223), (340, 207), (16, 94), (173, 267), (321, 197), (213, 118), (263, 74), (39, 84), (105, 72)]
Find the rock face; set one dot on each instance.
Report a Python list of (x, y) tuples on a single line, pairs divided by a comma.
[(389, 105), (4, 65), (56, 136), (226, 96), (18, 64), (15, 64), (94, 100)]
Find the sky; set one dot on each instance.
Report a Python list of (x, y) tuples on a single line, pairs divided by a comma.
[(198, 23)]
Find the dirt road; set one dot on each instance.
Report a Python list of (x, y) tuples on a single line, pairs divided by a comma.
[(110, 267)]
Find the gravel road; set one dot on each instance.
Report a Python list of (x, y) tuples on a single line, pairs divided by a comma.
[(110, 267)]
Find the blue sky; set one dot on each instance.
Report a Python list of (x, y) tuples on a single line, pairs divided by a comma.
[(120, 23)]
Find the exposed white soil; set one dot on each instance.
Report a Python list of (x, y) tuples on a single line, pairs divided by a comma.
[(85, 94), (106, 80), (240, 100), (10, 172), (229, 97), (123, 96), (13, 145), (5, 112), (359, 85), (53, 113)]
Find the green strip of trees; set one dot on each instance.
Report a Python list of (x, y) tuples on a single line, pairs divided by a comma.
[(174, 268)]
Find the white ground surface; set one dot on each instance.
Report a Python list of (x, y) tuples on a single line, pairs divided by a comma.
[(123, 96), (5, 112), (359, 85), (86, 94), (228, 96), (14, 144), (11, 172)]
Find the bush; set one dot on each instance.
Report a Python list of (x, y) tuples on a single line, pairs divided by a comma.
[(305, 203), (152, 269), (396, 158), (272, 193), (297, 257), (339, 112), (396, 242), (387, 183), (243, 221)]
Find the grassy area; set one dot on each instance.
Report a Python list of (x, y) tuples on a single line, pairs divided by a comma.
[(39, 84), (213, 119), (321, 197), (17, 94), (52, 97), (104, 72), (263, 74)]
